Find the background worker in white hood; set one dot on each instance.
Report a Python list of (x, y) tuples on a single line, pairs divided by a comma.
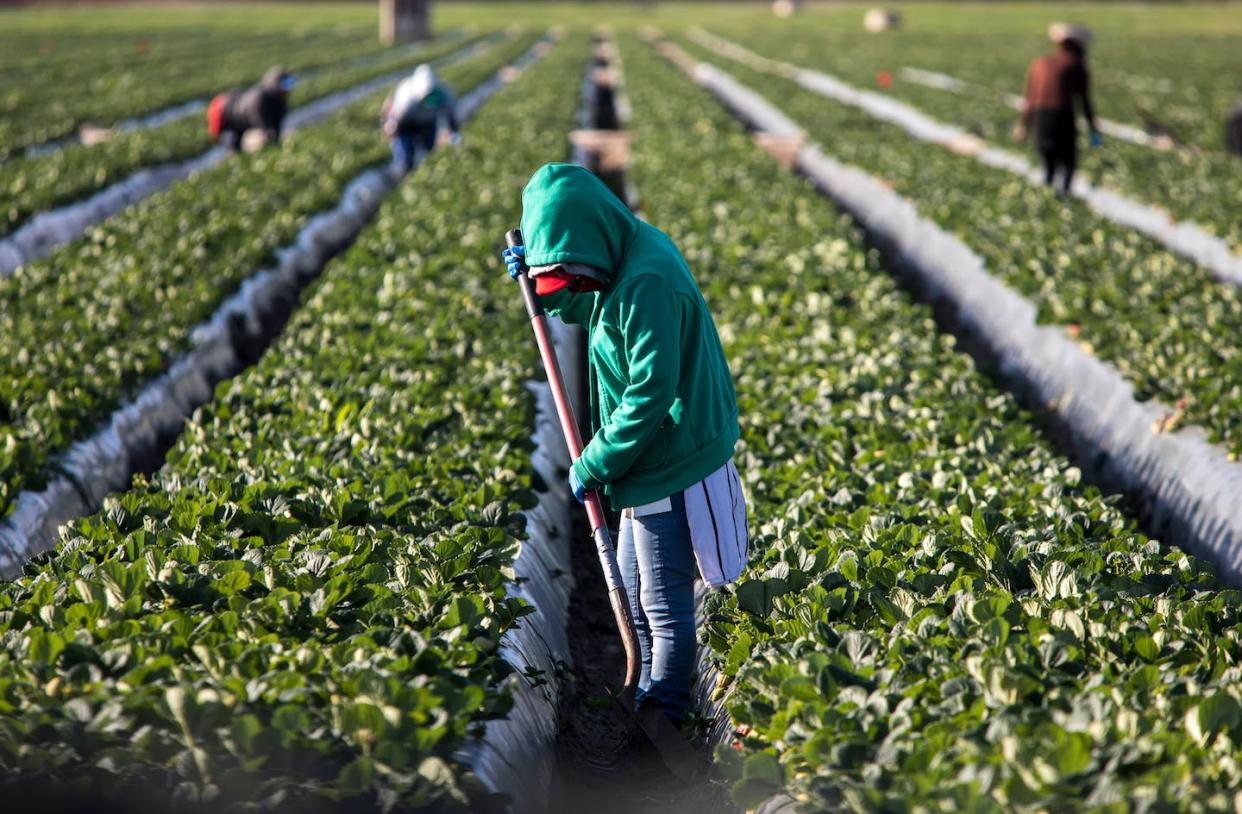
[(414, 113), (261, 107)]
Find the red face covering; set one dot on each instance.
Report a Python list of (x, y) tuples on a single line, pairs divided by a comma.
[(553, 280)]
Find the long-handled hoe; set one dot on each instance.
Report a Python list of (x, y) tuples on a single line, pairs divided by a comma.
[(674, 749)]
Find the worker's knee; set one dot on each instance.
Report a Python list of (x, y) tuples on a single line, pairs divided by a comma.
[(669, 608), (668, 622), (667, 597), (667, 570)]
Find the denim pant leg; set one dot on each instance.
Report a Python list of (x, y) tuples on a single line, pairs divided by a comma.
[(666, 571), (627, 560), (403, 146)]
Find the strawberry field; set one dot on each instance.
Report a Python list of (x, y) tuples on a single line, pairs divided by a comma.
[(125, 298), (347, 614), (61, 74), (941, 601), (1130, 301), (45, 180), (345, 574)]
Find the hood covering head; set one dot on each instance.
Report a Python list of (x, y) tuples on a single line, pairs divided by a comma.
[(277, 78), (570, 217), (1064, 32), (423, 81)]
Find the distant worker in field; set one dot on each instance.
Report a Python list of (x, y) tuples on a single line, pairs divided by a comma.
[(414, 114), (664, 413), (1233, 130), (1055, 83), (260, 107)]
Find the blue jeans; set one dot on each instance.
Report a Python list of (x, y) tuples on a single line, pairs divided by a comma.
[(408, 141), (658, 568)]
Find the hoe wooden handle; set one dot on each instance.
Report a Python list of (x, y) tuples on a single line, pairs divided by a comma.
[(594, 506), (564, 410)]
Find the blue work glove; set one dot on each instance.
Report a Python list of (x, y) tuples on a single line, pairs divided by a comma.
[(576, 486), (1096, 138), (515, 260)]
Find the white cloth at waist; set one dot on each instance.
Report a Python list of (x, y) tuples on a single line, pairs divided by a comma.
[(716, 516)]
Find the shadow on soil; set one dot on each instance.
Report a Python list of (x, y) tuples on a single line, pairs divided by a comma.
[(605, 766)]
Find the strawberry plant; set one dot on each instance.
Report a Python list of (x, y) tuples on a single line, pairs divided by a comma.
[(939, 616), (125, 300), (1150, 313), (307, 601)]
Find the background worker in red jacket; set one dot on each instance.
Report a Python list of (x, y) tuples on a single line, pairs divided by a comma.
[(1055, 83), (261, 107)]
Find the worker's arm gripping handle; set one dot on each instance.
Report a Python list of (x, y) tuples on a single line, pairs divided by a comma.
[(513, 237)]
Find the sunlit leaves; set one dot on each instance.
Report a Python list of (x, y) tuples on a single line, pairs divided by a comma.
[(309, 599), (938, 615)]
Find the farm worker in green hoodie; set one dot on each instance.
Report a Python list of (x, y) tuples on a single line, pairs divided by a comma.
[(664, 414)]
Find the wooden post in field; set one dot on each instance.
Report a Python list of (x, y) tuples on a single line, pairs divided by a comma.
[(404, 20)]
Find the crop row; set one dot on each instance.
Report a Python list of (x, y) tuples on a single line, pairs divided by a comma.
[(1197, 184), (308, 599), (102, 39), (938, 615), (37, 183), (93, 93), (28, 62), (70, 53), (124, 301), (1156, 317), (44, 107)]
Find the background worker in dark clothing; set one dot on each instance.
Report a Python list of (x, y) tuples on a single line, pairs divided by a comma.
[(414, 113), (1054, 83), (261, 107), (1233, 130)]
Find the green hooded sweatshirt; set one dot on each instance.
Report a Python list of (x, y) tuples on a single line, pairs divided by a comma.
[(662, 401)]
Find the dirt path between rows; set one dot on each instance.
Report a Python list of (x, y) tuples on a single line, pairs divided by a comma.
[(605, 768)]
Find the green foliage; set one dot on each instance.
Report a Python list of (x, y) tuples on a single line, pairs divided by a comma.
[(938, 616), (1139, 80), (89, 325), (33, 184), (65, 78), (307, 601)]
